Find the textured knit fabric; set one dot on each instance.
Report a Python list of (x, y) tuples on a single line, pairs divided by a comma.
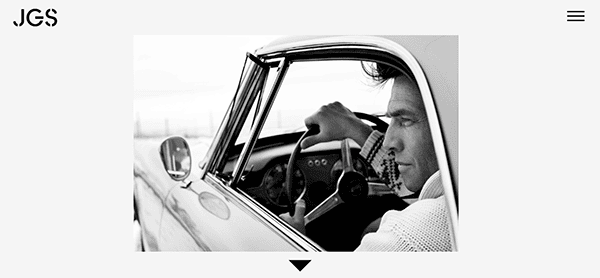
[(382, 161), (422, 226)]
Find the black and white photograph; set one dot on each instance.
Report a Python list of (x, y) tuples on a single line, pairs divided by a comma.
[(296, 143)]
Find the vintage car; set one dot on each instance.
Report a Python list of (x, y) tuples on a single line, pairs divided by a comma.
[(228, 197)]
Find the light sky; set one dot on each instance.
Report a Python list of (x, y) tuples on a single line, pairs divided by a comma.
[(190, 62), (185, 83), (188, 79)]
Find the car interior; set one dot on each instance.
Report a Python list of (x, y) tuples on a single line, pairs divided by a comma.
[(316, 170)]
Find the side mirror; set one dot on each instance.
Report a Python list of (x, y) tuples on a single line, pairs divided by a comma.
[(176, 157)]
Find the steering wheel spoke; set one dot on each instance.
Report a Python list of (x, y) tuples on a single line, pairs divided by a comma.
[(379, 189), (346, 156), (331, 202)]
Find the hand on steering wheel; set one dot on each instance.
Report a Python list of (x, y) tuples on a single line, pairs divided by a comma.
[(351, 186), (336, 122), (296, 221)]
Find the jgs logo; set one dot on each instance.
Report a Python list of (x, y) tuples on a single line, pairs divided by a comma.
[(38, 18)]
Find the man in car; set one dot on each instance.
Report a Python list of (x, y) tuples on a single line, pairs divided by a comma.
[(404, 157)]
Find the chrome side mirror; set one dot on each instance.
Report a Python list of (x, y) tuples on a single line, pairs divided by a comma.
[(176, 157)]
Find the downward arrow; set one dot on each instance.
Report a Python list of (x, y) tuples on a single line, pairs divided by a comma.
[(299, 264)]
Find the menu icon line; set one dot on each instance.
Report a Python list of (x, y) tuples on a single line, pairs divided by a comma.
[(576, 16)]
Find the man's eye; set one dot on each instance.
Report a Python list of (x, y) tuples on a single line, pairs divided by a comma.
[(406, 122)]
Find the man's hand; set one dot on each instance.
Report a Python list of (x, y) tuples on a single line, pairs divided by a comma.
[(336, 122), (297, 221)]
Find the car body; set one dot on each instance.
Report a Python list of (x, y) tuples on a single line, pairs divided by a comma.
[(222, 205)]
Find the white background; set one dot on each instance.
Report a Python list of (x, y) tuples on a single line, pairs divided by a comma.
[(528, 136)]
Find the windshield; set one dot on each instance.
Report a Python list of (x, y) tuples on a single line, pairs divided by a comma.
[(309, 85)]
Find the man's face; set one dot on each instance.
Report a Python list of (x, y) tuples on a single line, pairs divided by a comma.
[(408, 135)]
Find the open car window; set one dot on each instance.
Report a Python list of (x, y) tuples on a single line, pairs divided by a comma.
[(307, 86), (310, 85)]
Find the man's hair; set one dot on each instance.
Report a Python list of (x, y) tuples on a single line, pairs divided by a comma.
[(381, 73)]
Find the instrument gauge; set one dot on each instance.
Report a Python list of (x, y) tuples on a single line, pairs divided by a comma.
[(274, 181)]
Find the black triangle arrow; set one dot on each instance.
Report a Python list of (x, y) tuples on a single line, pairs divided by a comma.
[(300, 264)]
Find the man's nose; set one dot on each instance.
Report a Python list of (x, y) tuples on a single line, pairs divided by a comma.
[(393, 141)]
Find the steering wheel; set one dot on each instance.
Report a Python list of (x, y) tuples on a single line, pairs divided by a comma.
[(350, 187)]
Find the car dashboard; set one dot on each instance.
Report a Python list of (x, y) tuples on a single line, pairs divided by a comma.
[(318, 167)]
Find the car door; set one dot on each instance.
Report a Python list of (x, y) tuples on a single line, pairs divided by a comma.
[(151, 186), (208, 215)]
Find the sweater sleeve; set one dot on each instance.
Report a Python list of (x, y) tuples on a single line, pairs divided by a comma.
[(422, 226), (381, 160)]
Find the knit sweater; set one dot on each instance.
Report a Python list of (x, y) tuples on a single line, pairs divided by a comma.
[(423, 225)]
